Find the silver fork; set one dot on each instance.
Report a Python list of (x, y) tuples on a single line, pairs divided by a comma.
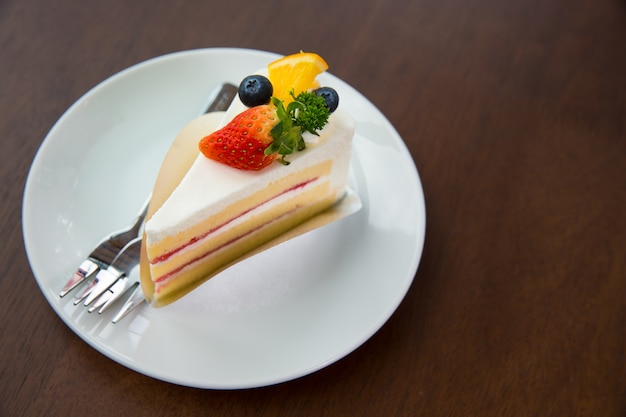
[(112, 260), (102, 256), (100, 288)]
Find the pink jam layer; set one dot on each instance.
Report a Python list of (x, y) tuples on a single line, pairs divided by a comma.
[(163, 278), (193, 240)]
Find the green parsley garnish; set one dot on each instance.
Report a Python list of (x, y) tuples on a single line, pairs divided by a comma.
[(307, 113)]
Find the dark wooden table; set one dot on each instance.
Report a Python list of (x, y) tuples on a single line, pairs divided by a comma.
[(515, 114)]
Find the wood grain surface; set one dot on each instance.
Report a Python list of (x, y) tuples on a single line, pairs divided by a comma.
[(515, 114)]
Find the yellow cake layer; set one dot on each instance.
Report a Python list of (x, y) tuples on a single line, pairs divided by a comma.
[(196, 273), (170, 243), (242, 226)]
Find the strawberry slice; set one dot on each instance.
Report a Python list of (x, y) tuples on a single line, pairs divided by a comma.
[(242, 142)]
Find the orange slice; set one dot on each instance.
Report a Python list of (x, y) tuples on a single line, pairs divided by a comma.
[(297, 72)]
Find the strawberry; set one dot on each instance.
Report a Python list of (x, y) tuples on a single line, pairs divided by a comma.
[(252, 140), (242, 142)]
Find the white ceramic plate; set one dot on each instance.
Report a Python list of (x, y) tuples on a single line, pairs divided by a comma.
[(278, 316)]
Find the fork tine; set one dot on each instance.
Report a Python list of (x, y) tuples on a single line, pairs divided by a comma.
[(134, 301), (85, 271), (102, 300), (86, 291)]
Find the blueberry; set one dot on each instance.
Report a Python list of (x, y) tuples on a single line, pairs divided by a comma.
[(255, 90), (330, 96)]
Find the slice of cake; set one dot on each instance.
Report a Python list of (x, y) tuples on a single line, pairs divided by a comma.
[(270, 164)]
